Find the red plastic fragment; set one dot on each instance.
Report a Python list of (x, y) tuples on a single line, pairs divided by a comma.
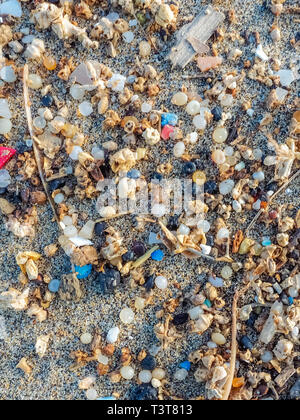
[(5, 154), (166, 131)]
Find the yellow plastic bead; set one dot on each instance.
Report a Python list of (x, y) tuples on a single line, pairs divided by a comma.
[(50, 63), (199, 177)]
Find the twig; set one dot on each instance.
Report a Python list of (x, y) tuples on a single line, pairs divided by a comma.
[(283, 187), (35, 141), (228, 384), (103, 219)]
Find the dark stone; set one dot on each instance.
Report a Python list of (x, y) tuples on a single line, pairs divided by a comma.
[(210, 187), (149, 283), (251, 321), (246, 343), (188, 168), (56, 184), (149, 363), (47, 100), (295, 390), (142, 392), (173, 223), (108, 280), (297, 37), (180, 319), (139, 249), (128, 256), (2, 191), (156, 177), (99, 228), (217, 113)]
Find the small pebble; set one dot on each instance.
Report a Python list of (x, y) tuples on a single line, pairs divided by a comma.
[(112, 335), (195, 312), (226, 272), (180, 375), (91, 394), (158, 373), (59, 198), (127, 315), (225, 187), (85, 109), (267, 356), (246, 343), (216, 281), (34, 81), (128, 36), (75, 152), (86, 338), (259, 176), (193, 108), (179, 149), (218, 338), (7, 74)]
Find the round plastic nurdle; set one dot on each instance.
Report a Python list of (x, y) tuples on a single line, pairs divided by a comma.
[(218, 338), (145, 376), (199, 177), (161, 282), (53, 286), (179, 99), (218, 156), (91, 394), (127, 315), (127, 372), (220, 134)]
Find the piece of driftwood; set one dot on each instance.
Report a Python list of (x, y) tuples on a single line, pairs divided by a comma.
[(200, 29)]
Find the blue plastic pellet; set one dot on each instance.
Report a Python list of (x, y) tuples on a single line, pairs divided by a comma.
[(266, 242), (157, 255), (111, 398), (291, 300), (207, 302), (169, 118), (185, 365), (134, 174), (83, 271), (53, 286)]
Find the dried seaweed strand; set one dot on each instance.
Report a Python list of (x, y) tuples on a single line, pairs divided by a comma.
[(34, 141), (283, 187), (228, 384)]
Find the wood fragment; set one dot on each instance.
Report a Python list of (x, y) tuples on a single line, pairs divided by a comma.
[(283, 187), (200, 30)]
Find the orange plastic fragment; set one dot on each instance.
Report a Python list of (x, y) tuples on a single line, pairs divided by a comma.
[(238, 382), (263, 205)]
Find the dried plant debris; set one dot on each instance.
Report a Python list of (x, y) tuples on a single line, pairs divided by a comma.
[(200, 29)]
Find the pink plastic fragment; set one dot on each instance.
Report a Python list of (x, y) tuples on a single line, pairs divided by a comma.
[(166, 131), (5, 154)]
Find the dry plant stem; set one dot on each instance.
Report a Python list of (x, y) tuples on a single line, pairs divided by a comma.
[(283, 187), (228, 384), (102, 219), (37, 154)]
